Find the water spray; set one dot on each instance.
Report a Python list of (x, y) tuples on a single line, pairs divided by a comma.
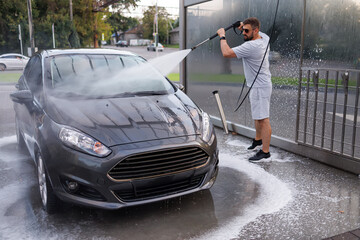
[(233, 26)]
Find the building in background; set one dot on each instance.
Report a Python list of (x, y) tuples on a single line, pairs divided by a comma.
[(174, 36)]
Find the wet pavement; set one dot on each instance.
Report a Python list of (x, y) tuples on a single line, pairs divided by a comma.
[(284, 197)]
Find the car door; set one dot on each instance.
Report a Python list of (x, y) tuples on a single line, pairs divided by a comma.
[(26, 113), (10, 61), (20, 62), (24, 61)]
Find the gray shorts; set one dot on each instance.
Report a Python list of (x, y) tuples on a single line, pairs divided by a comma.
[(260, 102)]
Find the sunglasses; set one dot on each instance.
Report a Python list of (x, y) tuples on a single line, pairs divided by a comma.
[(246, 30)]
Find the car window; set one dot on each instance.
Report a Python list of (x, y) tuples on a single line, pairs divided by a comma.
[(33, 74), (28, 66), (103, 75), (10, 57), (21, 83)]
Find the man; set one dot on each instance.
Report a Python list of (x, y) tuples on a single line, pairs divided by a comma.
[(252, 52)]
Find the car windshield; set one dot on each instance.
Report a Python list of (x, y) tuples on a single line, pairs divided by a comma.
[(103, 76)]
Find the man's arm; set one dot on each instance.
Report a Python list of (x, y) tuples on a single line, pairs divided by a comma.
[(225, 49)]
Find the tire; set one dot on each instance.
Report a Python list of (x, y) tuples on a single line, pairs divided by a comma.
[(19, 137), (2, 67), (49, 200)]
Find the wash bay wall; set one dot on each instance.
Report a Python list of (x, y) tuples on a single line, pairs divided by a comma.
[(310, 37)]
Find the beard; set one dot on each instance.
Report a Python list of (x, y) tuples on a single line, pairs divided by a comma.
[(248, 38)]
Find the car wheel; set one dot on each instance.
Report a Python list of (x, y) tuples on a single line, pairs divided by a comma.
[(19, 137), (2, 67), (49, 201)]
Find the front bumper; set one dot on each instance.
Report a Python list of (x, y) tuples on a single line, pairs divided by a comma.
[(98, 189)]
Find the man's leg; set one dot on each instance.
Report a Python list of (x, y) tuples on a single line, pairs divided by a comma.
[(257, 140), (258, 130), (265, 133)]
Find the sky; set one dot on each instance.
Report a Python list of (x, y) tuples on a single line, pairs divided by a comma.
[(172, 7)]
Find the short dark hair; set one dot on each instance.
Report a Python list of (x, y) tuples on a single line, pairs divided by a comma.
[(253, 21)]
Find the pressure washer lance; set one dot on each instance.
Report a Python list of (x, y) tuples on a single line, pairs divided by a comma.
[(233, 26)]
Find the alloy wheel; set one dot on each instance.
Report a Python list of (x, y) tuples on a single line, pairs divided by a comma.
[(42, 180)]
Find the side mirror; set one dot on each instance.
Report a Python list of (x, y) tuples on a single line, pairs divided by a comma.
[(22, 96), (180, 86)]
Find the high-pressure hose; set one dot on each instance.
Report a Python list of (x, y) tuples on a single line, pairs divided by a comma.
[(267, 47), (234, 26)]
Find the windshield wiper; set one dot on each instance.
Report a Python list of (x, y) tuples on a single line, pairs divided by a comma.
[(149, 93), (119, 95)]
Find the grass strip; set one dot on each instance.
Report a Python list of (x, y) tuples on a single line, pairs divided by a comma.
[(239, 78), (9, 77)]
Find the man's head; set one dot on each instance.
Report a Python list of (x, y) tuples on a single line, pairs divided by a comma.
[(251, 29)]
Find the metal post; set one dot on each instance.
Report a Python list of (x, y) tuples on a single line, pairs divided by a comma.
[(324, 109), (334, 112), (31, 28), (345, 81), (183, 20), (157, 31), (300, 73), (20, 39), (316, 87), (306, 105), (71, 10), (221, 110), (53, 35)]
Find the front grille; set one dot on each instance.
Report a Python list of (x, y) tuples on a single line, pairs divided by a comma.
[(164, 162), (159, 190)]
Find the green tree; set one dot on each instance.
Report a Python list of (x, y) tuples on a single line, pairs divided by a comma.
[(100, 23), (121, 23), (57, 13), (87, 24), (12, 13), (148, 22)]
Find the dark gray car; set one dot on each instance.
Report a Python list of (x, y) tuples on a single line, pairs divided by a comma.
[(106, 130)]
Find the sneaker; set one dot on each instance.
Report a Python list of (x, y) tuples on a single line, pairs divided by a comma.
[(259, 155), (254, 144)]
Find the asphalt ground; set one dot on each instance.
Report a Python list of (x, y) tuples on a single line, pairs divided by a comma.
[(284, 197)]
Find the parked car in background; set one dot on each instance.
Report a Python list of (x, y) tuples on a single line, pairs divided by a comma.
[(152, 47), (107, 130), (122, 43), (12, 61)]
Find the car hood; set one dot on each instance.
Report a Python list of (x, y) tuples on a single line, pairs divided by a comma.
[(117, 121)]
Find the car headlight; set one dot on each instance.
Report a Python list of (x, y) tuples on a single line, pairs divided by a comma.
[(83, 142), (206, 127)]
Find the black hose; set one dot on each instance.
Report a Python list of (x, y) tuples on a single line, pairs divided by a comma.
[(267, 47)]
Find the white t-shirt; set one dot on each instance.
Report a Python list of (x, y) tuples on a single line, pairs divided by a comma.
[(252, 53)]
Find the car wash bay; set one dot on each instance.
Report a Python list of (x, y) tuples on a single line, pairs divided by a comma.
[(286, 197)]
